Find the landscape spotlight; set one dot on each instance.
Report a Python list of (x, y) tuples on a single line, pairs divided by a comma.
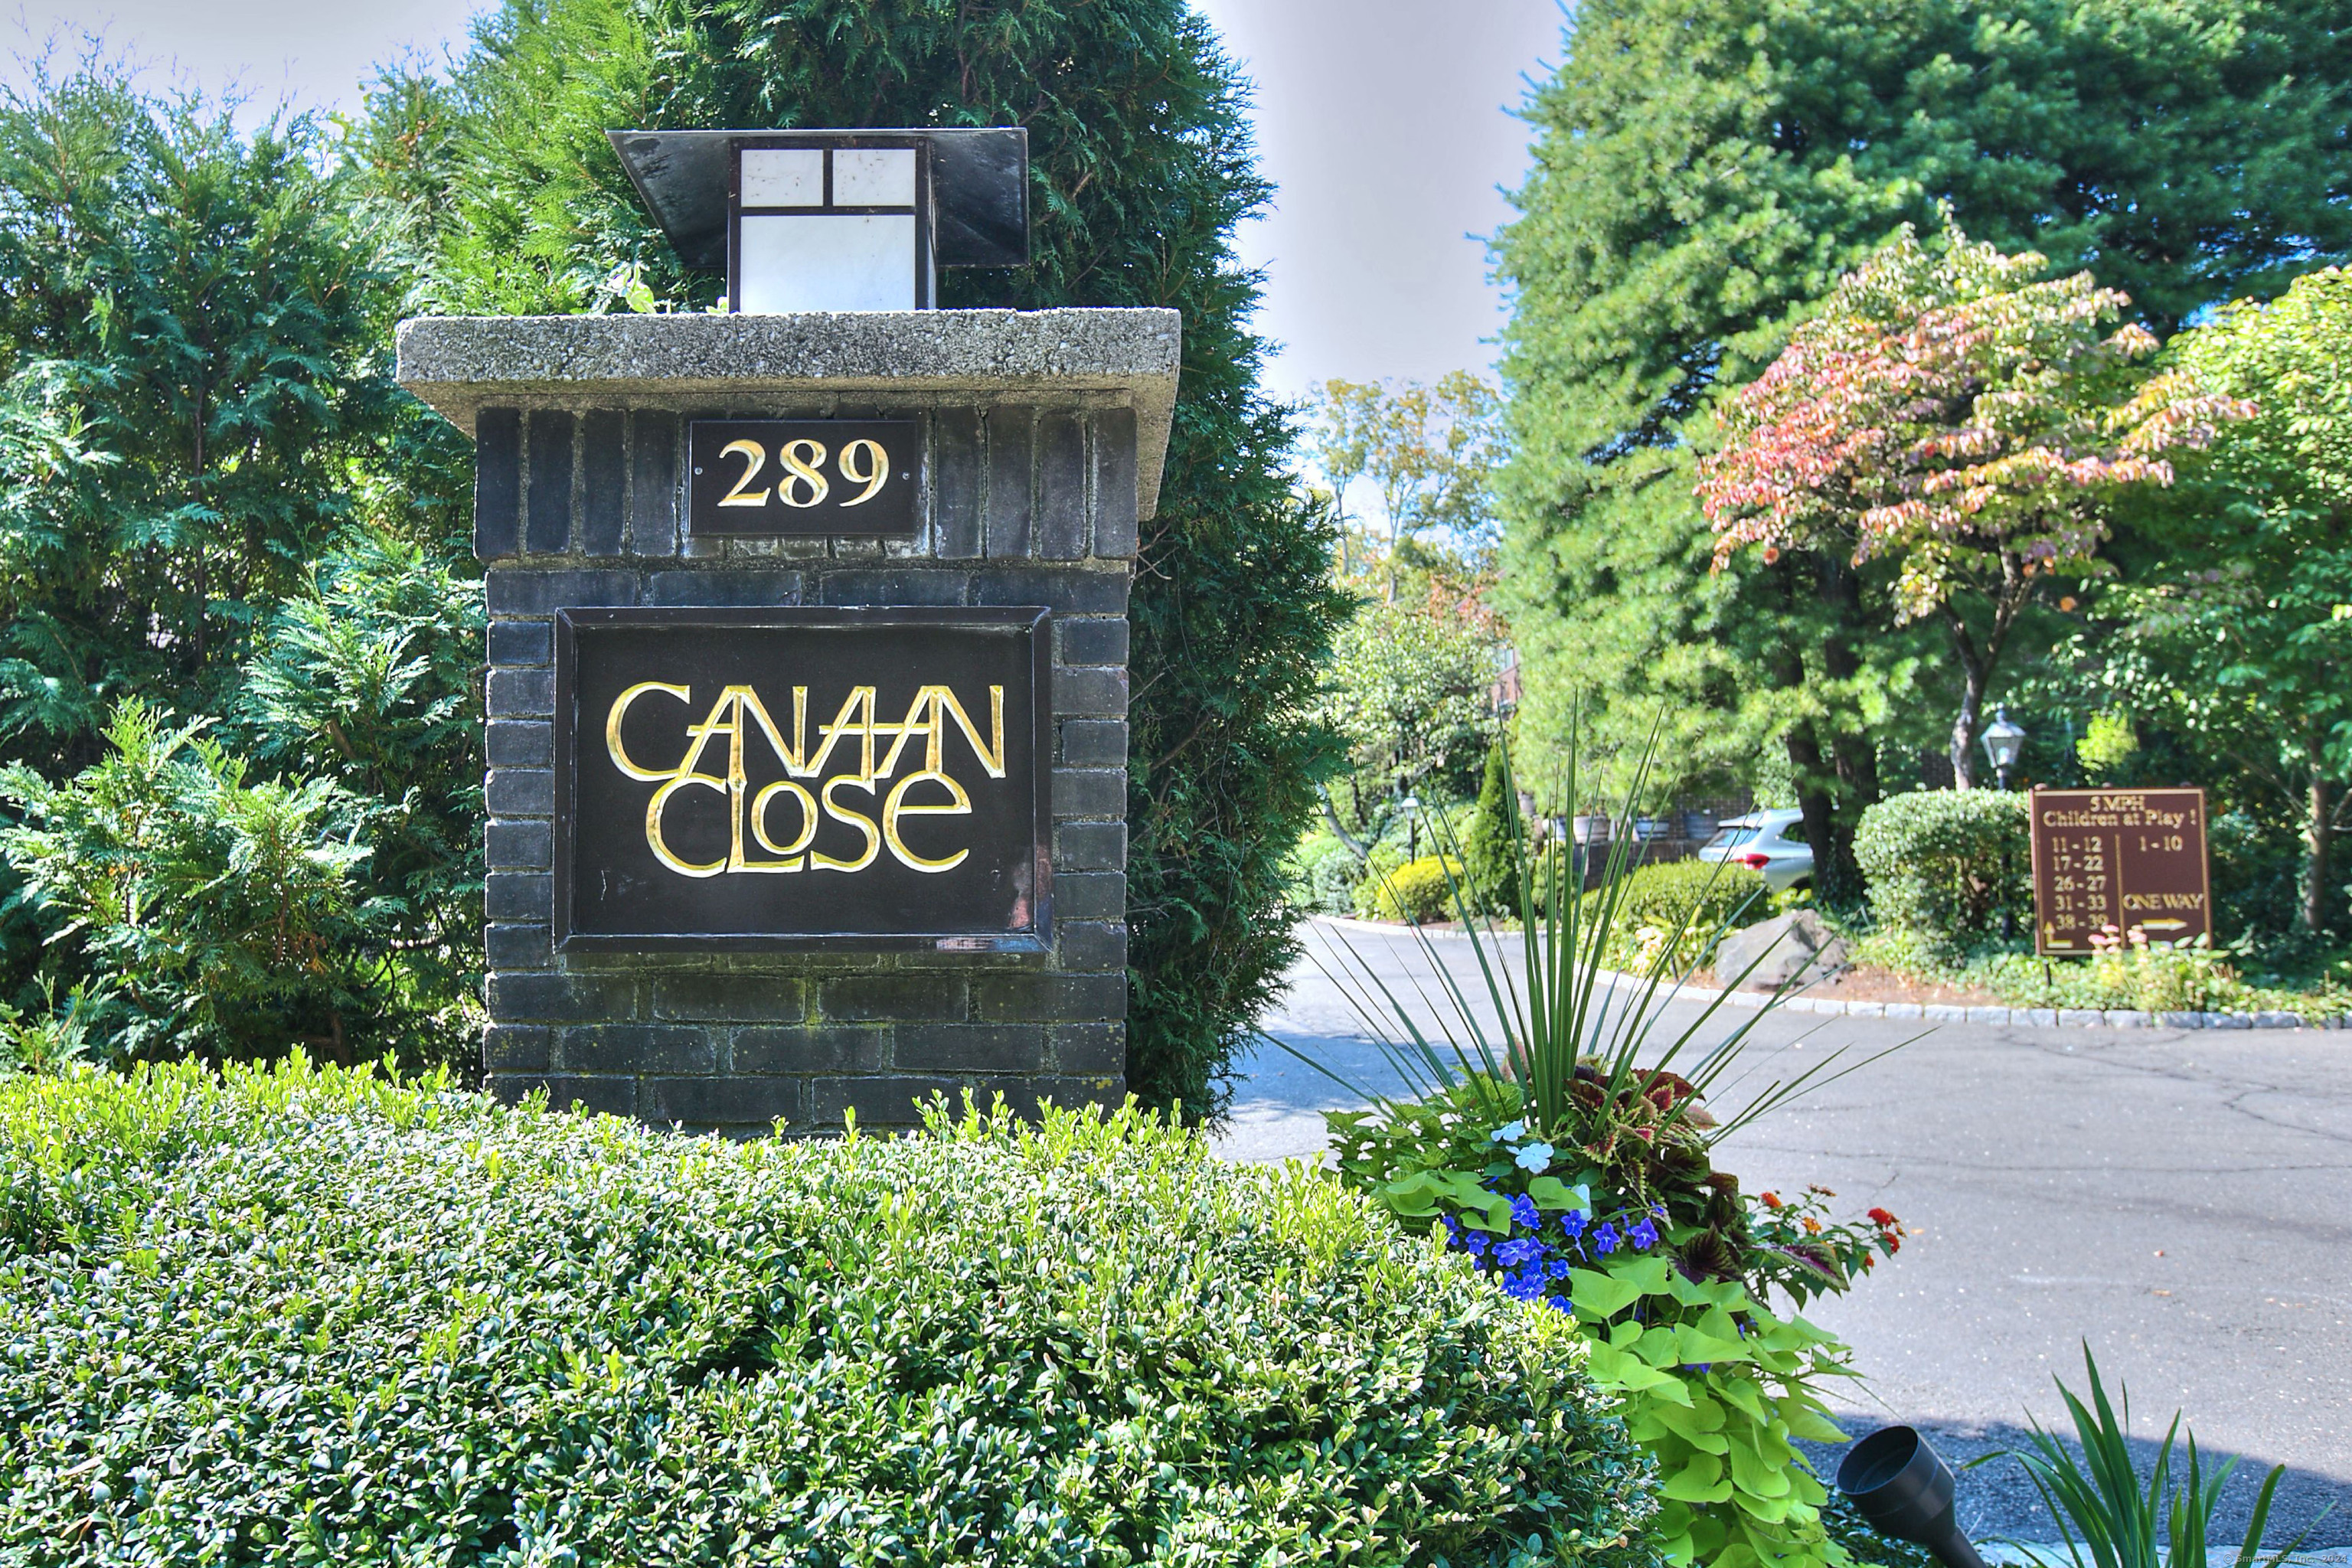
[(2004, 742), (1904, 1489)]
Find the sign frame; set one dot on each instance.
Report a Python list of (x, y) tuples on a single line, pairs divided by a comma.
[(1035, 622), (2038, 836), (711, 498)]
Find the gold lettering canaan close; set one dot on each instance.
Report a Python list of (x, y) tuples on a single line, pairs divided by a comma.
[(738, 711)]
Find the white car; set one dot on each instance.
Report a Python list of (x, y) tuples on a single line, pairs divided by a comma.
[(1772, 842)]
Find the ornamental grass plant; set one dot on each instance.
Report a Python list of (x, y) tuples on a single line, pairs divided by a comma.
[(2107, 1514), (1558, 1132), (301, 1315)]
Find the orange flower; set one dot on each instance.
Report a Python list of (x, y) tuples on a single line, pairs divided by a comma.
[(1813, 1225), (2067, 603), (1884, 1220), (1770, 1200)]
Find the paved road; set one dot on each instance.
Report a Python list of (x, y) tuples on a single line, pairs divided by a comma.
[(2183, 1200)]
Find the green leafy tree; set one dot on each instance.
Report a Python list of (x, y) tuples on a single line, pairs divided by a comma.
[(194, 404), (1956, 414), (206, 314), (1142, 166), (1407, 689), (1430, 450), (1705, 170), (373, 680), (225, 914), (2239, 629)]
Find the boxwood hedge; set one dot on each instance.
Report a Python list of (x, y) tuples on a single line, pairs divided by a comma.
[(298, 1315)]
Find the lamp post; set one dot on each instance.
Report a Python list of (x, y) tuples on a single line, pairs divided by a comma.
[(1411, 806), (2004, 742)]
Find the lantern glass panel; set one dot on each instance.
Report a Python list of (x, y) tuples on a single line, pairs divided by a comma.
[(873, 177), (783, 178), (827, 261)]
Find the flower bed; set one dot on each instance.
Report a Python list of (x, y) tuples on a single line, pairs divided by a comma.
[(1615, 1217)]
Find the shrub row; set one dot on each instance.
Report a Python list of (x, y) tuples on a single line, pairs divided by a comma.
[(297, 1315)]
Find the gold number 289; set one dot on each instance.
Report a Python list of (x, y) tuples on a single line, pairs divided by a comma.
[(862, 462)]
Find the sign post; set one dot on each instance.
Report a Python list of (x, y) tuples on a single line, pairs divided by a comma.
[(2112, 859)]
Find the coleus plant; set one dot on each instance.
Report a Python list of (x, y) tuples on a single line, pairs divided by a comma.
[(1559, 1134)]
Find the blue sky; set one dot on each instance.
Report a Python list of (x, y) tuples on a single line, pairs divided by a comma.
[(1384, 122)]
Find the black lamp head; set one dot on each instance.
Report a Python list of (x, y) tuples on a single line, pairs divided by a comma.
[(1904, 1489)]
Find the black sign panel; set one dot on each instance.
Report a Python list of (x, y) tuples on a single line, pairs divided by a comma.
[(863, 778), (802, 476)]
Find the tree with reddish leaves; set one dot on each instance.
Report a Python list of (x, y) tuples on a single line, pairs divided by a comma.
[(1960, 415)]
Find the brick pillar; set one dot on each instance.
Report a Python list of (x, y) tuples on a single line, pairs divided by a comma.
[(1041, 436)]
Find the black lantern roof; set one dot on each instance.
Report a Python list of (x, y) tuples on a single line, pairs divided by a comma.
[(980, 184)]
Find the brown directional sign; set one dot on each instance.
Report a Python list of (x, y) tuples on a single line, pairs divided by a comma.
[(802, 476), (2118, 857)]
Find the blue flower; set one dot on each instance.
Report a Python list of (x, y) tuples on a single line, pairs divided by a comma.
[(1527, 1285), (1573, 1221), (1511, 1254), (1535, 1158), (1524, 1211), (1475, 1242), (1558, 1268), (1509, 1132), (1562, 1302), (1605, 1238), (1644, 1235)]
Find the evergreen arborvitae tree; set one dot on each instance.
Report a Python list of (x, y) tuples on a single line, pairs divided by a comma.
[(1142, 166), (195, 408), (1490, 850), (1705, 170), (208, 313)]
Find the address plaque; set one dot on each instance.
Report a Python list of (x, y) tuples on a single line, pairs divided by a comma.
[(780, 477)]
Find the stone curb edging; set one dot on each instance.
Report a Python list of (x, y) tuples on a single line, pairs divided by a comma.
[(1932, 1012), (2006, 1554)]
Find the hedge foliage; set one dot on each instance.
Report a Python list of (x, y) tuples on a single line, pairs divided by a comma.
[(1689, 902), (1934, 863), (1417, 890), (297, 1315)]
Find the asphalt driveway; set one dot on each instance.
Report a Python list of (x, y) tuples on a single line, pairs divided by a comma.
[(2180, 1201)]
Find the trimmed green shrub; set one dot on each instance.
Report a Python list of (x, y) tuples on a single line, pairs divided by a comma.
[(1934, 863), (1323, 875), (298, 1315), (1697, 899), (1417, 890)]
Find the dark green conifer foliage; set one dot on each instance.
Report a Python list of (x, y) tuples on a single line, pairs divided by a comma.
[(1142, 166), (196, 405), (1705, 169), (204, 315), (1490, 850)]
